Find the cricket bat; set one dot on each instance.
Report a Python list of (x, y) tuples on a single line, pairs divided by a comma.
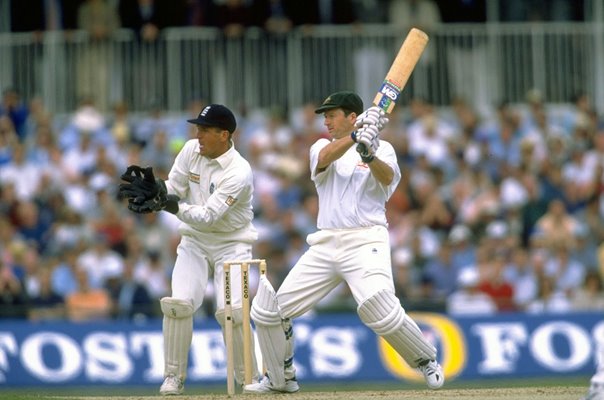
[(408, 55)]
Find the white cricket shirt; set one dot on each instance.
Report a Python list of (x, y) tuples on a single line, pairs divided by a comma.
[(216, 194), (349, 195)]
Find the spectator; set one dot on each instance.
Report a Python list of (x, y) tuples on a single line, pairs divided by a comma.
[(131, 300), (154, 274), (495, 284), (233, 17), (13, 107), (8, 140), (21, 173), (441, 271), (567, 273), (521, 275), (147, 18), (99, 19), (86, 118), (557, 226), (468, 300), (121, 124), (100, 262), (158, 152), (549, 299), (64, 273), (404, 274), (87, 303), (535, 207), (423, 14), (13, 298), (590, 296), (47, 304), (272, 15), (30, 226), (463, 251)]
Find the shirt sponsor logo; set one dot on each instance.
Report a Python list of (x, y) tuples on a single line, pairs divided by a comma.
[(193, 177), (230, 201)]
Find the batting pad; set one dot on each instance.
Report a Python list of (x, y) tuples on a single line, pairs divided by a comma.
[(178, 333), (385, 316), (238, 345), (271, 337)]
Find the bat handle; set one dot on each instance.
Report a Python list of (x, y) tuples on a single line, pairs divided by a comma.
[(361, 148)]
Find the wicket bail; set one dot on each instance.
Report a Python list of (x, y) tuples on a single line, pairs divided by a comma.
[(245, 311)]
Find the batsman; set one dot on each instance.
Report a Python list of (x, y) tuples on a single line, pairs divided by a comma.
[(351, 245), (209, 189)]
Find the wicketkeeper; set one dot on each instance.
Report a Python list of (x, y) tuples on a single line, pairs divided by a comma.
[(209, 188), (351, 245)]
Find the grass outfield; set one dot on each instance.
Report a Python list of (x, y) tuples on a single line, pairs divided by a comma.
[(572, 388)]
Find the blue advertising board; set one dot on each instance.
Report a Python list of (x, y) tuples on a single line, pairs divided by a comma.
[(328, 347)]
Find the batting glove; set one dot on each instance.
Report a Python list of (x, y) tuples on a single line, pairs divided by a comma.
[(372, 116), (368, 139)]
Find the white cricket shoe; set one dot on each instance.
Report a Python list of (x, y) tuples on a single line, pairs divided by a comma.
[(265, 386), (172, 386), (596, 387), (596, 392), (433, 373)]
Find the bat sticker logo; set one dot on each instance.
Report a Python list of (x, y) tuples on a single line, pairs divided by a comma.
[(390, 91), (385, 103)]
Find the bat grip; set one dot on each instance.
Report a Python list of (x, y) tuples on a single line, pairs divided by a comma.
[(361, 148)]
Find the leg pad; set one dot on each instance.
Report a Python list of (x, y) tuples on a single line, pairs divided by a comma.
[(385, 316), (178, 333)]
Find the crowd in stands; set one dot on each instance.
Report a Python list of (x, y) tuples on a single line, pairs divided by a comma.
[(148, 17), (495, 213)]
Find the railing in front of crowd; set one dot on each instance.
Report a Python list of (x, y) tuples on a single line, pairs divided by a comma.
[(483, 63)]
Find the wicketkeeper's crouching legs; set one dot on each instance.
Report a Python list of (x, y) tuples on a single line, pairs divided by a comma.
[(275, 337), (384, 315), (178, 333)]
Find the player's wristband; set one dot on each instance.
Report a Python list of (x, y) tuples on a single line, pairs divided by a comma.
[(353, 136), (171, 204), (368, 158)]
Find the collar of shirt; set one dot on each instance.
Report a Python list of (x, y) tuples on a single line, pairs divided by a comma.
[(224, 159)]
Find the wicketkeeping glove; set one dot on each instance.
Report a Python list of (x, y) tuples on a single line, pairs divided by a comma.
[(146, 194), (372, 116), (161, 201), (141, 184)]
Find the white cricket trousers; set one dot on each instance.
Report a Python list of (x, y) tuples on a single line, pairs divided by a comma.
[(361, 257), (197, 259)]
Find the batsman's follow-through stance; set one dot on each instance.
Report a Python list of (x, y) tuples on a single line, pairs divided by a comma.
[(352, 244), (209, 188)]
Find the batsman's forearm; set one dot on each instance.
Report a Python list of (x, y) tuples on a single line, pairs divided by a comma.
[(381, 171), (333, 151)]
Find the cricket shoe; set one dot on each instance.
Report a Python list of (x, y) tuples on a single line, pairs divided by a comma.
[(172, 386), (433, 373), (265, 386), (596, 387), (594, 396), (596, 392)]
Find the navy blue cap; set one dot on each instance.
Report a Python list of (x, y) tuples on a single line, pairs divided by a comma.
[(216, 115)]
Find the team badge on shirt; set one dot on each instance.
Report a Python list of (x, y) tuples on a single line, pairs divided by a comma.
[(212, 187), (230, 201), (193, 177)]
